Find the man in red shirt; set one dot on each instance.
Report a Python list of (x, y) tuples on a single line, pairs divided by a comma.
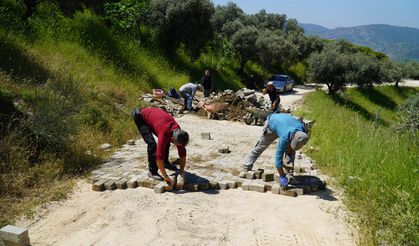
[(155, 121)]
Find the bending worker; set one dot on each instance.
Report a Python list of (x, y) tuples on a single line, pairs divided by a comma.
[(291, 136), (187, 91), (155, 121)]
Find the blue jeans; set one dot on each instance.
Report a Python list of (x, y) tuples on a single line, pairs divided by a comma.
[(187, 100)]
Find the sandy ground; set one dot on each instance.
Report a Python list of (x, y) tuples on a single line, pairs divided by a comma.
[(221, 217)]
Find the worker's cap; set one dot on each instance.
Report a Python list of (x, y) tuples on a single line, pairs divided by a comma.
[(300, 138), (270, 83)]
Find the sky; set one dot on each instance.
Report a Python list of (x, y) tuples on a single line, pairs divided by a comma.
[(338, 13)]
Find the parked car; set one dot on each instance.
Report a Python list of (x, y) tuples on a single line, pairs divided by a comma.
[(282, 82)]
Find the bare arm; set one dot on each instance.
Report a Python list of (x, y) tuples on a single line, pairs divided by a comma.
[(281, 171), (160, 165), (182, 162)]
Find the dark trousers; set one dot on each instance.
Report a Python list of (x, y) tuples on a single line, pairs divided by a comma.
[(150, 141)]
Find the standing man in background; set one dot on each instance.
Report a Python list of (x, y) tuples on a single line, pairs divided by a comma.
[(206, 83), (273, 96)]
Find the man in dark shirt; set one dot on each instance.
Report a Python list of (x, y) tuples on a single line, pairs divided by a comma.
[(155, 121), (206, 83), (273, 96)]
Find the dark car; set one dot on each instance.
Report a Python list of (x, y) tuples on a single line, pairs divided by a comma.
[(281, 82)]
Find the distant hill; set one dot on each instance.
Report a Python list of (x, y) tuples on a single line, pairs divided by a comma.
[(400, 43)]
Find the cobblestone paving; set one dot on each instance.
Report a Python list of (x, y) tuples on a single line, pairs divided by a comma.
[(207, 167)]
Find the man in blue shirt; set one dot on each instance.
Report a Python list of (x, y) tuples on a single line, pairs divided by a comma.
[(291, 136)]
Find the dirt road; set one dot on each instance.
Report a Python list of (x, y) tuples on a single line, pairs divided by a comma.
[(220, 217)]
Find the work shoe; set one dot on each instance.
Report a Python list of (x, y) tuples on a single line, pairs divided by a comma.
[(170, 166), (155, 176)]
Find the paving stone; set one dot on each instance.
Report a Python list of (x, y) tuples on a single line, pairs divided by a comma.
[(191, 187), (232, 184), (141, 179), (257, 186), (268, 176), (268, 186), (203, 186), (110, 185), (250, 175), (246, 184), (223, 184), (99, 185), (132, 183), (122, 183), (288, 192), (13, 235), (299, 169), (214, 184), (275, 188), (206, 135), (299, 191), (242, 174), (131, 142), (93, 178), (160, 187), (150, 183), (239, 181), (276, 177), (258, 173)]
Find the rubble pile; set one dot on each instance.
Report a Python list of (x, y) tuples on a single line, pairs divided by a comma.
[(171, 105), (243, 105), (238, 102)]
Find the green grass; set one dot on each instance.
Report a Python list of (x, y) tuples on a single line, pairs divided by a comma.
[(377, 167)]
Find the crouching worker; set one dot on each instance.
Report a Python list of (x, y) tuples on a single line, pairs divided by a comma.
[(155, 121), (187, 91), (291, 136)]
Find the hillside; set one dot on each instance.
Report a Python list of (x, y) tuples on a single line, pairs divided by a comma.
[(401, 43)]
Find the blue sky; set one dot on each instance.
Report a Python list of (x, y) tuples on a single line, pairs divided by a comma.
[(338, 13)]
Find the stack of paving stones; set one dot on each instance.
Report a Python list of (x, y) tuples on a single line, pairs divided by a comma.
[(118, 173)]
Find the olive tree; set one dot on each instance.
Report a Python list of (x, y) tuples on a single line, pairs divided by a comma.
[(224, 15), (363, 70), (274, 49), (329, 67), (273, 22), (244, 44), (391, 71), (186, 22)]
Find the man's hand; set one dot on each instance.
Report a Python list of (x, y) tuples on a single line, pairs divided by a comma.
[(169, 182), (283, 181)]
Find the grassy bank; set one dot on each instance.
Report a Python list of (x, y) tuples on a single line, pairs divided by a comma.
[(377, 167), (62, 80)]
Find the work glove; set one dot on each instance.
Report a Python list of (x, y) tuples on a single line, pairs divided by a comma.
[(283, 181), (170, 183)]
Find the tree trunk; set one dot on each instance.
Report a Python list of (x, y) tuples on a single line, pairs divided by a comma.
[(397, 83), (242, 63), (30, 9)]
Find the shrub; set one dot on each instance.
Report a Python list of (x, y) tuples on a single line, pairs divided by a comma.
[(408, 113)]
